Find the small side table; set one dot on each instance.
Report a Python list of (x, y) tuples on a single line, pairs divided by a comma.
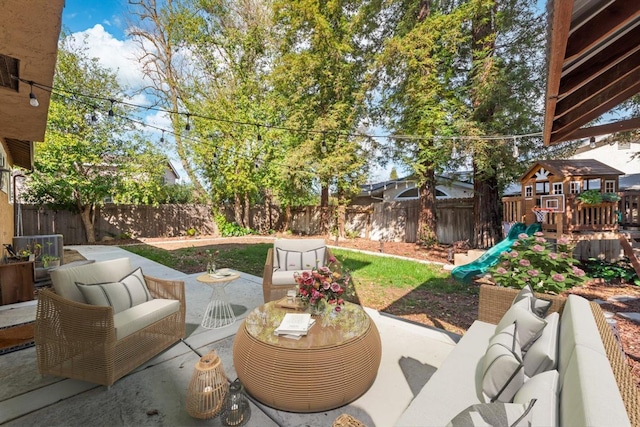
[(219, 312)]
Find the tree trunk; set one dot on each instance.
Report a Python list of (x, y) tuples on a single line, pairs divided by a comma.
[(88, 216), (324, 209), (486, 206), (247, 211), (486, 200), (286, 223), (237, 209), (427, 222)]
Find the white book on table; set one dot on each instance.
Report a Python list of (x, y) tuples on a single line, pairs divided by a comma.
[(294, 324)]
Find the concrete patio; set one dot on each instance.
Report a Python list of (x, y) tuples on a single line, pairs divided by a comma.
[(155, 393)]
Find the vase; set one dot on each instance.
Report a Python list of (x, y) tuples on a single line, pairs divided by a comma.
[(317, 308), (211, 268)]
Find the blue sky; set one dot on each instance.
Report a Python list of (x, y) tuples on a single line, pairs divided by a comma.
[(80, 15)]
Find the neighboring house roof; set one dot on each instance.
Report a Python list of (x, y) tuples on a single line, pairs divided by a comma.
[(569, 167), (378, 188), (629, 182), (173, 170)]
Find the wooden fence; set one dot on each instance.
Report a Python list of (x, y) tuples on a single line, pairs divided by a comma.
[(394, 221)]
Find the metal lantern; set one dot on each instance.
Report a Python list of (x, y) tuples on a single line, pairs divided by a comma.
[(236, 411), (208, 387)]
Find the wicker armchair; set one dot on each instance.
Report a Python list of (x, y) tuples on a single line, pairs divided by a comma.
[(278, 279), (77, 340)]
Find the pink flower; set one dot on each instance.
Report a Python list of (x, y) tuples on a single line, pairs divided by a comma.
[(326, 286), (558, 277), (553, 255), (538, 234), (563, 241), (335, 287), (540, 239), (524, 262), (533, 273), (523, 236), (514, 254), (338, 308), (504, 253), (578, 272), (564, 255), (516, 244), (537, 248), (332, 259), (501, 270), (505, 263)]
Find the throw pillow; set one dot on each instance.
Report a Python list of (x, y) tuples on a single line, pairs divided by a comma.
[(543, 353), (503, 372), (544, 388), (495, 415), (538, 306), (130, 291), (296, 260), (529, 325)]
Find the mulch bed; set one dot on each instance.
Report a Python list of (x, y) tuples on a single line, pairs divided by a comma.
[(16, 337)]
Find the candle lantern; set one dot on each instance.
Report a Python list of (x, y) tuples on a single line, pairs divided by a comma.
[(208, 387), (236, 411)]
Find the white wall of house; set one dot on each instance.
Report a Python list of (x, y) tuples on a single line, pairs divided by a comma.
[(618, 155)]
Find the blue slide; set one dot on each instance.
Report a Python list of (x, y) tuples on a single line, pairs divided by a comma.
[(464, 273)]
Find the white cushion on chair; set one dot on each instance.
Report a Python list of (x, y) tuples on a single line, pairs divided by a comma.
[(142, 315), (128, 292), (296, 260)]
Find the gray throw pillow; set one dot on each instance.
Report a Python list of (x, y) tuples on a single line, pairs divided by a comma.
[(538, 306), (529, 325), (296, 260), (503, 371), (542, 355), (130, 291), (495, 414)]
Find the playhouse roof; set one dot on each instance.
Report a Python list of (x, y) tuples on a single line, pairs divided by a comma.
[(568, 167)]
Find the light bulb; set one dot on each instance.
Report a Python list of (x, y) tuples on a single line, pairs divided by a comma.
[(33, 100), (592, 142)]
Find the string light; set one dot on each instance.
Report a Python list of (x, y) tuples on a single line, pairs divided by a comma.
[(188, 126), (592, 142), (33, 100), (162, 137), (323, 146), (516, 152), (94, 118), (259, 136), (111, 113)]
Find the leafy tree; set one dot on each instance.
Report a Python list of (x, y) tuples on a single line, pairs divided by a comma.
[(319, 80), (82, 160)]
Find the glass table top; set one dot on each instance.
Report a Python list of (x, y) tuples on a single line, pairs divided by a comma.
[(332, 328)]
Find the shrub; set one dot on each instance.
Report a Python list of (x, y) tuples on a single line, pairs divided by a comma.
[(533, 260), (620, 270), (230, 229), (590, 197)]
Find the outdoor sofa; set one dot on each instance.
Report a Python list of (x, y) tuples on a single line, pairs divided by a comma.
[(288, 257), (131, 319), (577, 372)]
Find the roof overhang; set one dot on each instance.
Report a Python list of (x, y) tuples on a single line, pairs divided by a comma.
[(29, 36), (593, 64)]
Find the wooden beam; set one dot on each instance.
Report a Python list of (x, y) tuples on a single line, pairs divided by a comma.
[(604, 83), (600, 63), (625, 89), (621, 126), (600, 27), (628, 250), (560, 26)]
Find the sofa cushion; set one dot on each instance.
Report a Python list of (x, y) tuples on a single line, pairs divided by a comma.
[(282, 277), (542, 355), (290, 260), (128, 292), (577, 327), (503, 372), (455, 385), (64, 279), (495, 414), (589, 393), (537, 305), (142, 315), (544, 388), (529, 325)]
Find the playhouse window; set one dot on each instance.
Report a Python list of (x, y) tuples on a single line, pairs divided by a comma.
[(528, 191), (609, 186), (592, 184), (574, 187), (557, 188), (542, 187)]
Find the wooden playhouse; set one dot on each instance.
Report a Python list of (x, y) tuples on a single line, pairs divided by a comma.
[(554, 194)]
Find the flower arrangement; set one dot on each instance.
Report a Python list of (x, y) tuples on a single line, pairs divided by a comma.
[(211, 260), (329, 283), (533, 260)]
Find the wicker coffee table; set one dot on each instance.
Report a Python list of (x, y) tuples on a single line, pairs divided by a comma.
[(333, 365)]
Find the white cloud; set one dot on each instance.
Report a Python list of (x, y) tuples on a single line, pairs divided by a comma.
[(117, 55)]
